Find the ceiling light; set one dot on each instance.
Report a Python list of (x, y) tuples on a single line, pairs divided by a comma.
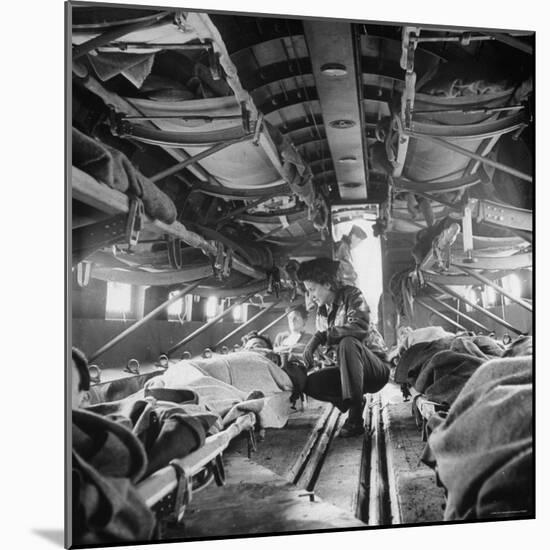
[(351, 184), (342, 124), (347, 160), (334, 69)]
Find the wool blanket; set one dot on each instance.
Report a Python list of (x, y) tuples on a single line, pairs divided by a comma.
[(482, 450)]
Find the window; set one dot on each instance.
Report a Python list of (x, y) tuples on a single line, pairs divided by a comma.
[(211, 307), (182, 309), (119, 300), (489, 296), (238, 314), (175, 309), (367, 262), (512, 283)]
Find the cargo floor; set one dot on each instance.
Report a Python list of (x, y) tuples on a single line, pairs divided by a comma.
[(259, 496)]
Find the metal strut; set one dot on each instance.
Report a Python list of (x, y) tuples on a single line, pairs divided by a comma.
[(192, 160), (200, 330), (496, 318), (439, 314), (109, 36), (244, 325), (496, 287), (470, 154), (458, 312), (274, 322), (125, 333)]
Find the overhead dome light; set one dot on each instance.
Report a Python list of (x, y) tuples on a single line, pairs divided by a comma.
[(347, 160), (342, 124), (334, 69), (351, 185)]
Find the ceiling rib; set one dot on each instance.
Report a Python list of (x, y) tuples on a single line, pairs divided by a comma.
[(330, 43)]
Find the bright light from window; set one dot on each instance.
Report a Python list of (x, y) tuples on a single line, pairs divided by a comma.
[(490, 296), (238, 314), (119, 299), (175, 309), (367, 262), (512, 283), (211, 307), (472, 296)]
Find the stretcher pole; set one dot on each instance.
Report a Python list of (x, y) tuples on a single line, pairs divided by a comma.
[(495, 318), (244, 325), (439, 314), (109, 36), (132, 328), (458, 312), (218, 317), (470, 154), (162, 482), (498, 288), (192, 160), (274, 322)]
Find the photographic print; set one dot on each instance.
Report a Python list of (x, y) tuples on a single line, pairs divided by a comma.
[(299, 274)]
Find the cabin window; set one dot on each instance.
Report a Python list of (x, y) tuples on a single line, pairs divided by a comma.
[(211, 308), (490, 297), (181, 310), (238, 313), (475, 295), (119, 301), (175, 310), (512, 283)]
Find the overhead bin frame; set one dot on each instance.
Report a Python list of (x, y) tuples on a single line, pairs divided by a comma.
[(88, 190)]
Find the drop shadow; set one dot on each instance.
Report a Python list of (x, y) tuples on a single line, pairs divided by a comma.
[(57, 536)]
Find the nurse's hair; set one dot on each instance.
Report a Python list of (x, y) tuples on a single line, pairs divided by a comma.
[(321, 271), (81, 364)]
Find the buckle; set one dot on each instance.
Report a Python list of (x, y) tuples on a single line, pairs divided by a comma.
[(135, 221)]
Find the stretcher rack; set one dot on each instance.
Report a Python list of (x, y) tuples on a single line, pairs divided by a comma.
[(424, 409), (93, 193), (169, 489)]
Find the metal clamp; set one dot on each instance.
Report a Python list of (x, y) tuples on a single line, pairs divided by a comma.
[(183, 493), (257, 128), (218, 470), (136, 218), (95, 374), (83, 272), (251, 447), (174, 251), (214, 62), (226, 267), (132, 366), (163, 361)]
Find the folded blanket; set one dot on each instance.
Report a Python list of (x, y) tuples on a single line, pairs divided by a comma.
[(111, 167), (424, 334), (414, 358), (483, 451), (232, 384), (445, 374), (115, 390), (107, 460)]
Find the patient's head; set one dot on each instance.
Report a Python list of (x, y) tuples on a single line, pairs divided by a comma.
[(297, 318), (80, 379), (521, 346), (253, 340)]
